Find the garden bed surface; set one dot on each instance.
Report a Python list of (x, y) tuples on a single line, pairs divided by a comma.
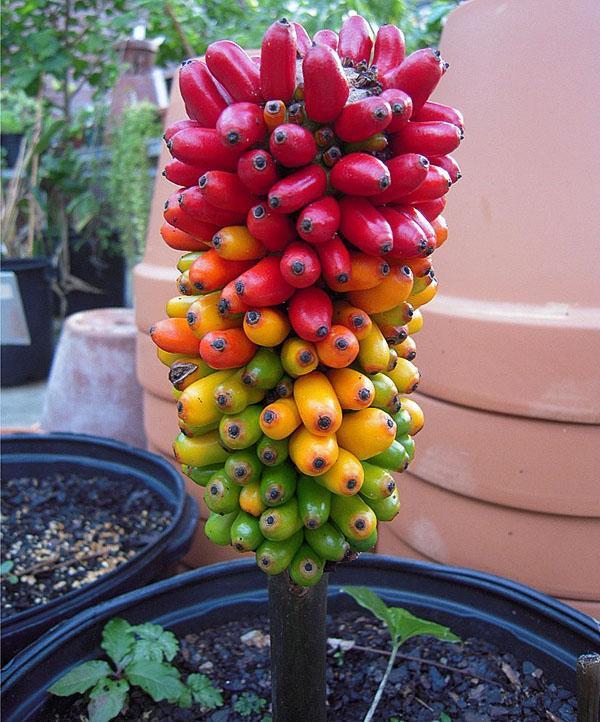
[(471, 681), (62, 532)]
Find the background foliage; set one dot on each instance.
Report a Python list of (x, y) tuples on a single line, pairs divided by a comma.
[(244, 21)]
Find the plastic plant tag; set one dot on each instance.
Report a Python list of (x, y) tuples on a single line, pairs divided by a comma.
[(15, 331)]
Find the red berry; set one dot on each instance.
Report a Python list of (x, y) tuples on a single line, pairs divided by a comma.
[(326, 37), (325, 86), (182, 174), (273, 230), (179, 125), (241, 125), (401, 105), (310, 313), (355, 44), (449, 164), (235, 70), (361, 120), (303, 41), (365, 227), (407, 172), (360, 174), (278, 61), (263, 284), (418, 75), (225, 190), (437, 183), (298, 189), (409, 239), (437, 111), (201, 95), (300, 265), (429, 137), (335, 261), (319, 221), (177, 217), (257, 171), (195, 204), (292, 145), (203, 147), (432, 209), (389, 49)]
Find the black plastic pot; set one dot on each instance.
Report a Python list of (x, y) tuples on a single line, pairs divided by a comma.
[(107, 274), (29, 363), (11, 142), (31, 454), (529, 624)]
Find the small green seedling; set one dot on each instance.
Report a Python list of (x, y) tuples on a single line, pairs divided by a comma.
[(401, 625), (6, 572), (249, 703), (141, 655)]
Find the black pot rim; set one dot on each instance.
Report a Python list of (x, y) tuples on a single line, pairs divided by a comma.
[(24, 264), (546, 606), (150, 552)]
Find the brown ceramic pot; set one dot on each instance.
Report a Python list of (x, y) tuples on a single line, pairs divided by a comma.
[(505, 477), (93, 388)]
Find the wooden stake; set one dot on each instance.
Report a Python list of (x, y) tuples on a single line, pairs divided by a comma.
[(588, 688), (298, 648)]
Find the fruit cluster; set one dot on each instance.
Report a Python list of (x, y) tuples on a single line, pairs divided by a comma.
[(311, 185)]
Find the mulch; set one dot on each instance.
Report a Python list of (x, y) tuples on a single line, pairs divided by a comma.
[(472, 681), (65, 531)]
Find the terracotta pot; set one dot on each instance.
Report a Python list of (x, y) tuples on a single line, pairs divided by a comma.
[(505, 478), (92, 388), (516, 325)]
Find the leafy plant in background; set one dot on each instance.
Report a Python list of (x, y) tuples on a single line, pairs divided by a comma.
[(51, 50), (141, 655), (401, 625), (17, 110), (130, 178)]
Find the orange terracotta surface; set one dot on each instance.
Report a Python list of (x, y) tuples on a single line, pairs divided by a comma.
[(389, 543), (92, 387), (542, 466), (516, 325), (554, 553)]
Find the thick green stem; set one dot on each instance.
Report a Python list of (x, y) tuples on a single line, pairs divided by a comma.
[(379, 693), (298, 648)]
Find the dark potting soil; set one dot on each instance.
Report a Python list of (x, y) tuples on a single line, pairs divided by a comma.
[(471, 681), (63, 532)]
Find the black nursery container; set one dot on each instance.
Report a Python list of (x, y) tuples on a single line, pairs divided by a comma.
[(23, 363), (25, 455), (516, 618), (11, 142)]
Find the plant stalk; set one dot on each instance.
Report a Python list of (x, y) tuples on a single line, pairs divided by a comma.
[(298, 649), (379, 693)]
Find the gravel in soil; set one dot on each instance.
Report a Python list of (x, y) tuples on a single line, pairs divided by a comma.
[(471, 681), (63, 532)]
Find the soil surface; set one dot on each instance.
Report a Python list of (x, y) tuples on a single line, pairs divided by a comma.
[(471, 681), (63, 532)]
